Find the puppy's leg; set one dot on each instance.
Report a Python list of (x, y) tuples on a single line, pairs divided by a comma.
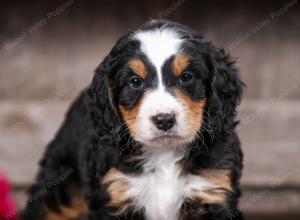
[(214, 212), (56, 196), (211, 212)]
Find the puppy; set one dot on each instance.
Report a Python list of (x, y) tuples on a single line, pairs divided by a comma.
[(153, 137)]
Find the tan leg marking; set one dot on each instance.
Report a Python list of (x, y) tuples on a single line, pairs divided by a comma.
[(117, 186), (78, 208), (217, 193)]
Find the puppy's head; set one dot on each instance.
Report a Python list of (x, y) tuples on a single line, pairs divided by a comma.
[(161, 82)]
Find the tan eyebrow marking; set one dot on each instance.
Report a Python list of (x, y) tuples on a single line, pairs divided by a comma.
[(180, 62), (139, 68)]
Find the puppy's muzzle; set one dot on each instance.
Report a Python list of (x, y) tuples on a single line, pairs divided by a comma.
[(164, 121)]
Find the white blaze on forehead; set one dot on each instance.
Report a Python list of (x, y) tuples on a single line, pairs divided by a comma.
[(158, 45)]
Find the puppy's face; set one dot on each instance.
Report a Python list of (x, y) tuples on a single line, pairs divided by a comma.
[(160, 88)]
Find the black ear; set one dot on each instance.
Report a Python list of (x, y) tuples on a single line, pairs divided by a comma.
[(225, 92), (102, 109)]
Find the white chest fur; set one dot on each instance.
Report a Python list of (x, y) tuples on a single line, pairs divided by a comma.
[(162, 188)]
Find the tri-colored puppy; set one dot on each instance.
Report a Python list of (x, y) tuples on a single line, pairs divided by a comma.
[(153, 137)]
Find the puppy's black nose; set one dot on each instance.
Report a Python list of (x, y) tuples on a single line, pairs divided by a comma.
[(164, 121)]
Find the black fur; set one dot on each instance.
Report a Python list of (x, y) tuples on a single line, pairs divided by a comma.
[(88, 144)]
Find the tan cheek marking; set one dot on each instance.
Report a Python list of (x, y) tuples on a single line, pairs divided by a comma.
[(194, 111), (78, 208), (130, 117), (217, 193), (139, 68), (180, 62), (117, 186)]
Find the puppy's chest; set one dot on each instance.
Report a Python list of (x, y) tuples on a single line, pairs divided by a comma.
[(162, 188), (160, 192)]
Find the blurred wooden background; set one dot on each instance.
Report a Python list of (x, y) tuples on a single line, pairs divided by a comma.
[(49, 49)]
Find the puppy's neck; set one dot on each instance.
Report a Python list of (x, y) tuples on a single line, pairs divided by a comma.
[(157, 188), (155, 159)]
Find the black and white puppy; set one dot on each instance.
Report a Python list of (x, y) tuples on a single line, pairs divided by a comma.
[(153, 136)]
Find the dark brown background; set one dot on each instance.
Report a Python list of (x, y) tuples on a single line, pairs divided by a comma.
[(41, 72)]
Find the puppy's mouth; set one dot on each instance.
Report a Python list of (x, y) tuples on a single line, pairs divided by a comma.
[(166, 137)]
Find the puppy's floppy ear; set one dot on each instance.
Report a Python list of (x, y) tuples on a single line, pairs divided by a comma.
[(101, 104), (226, 91)]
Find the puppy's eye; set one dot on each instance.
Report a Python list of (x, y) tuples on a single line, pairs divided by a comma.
[(136, 82), (186, 77)]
